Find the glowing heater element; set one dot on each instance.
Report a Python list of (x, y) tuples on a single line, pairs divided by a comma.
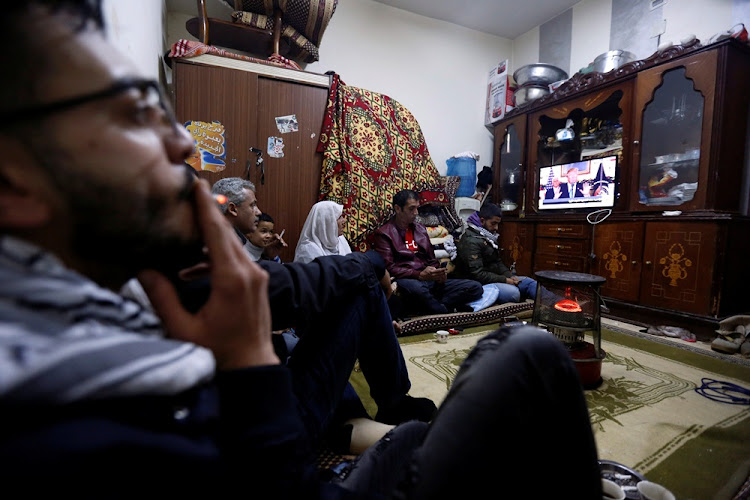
[(567, 304)]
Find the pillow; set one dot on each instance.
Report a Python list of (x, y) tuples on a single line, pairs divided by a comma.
[(436, 232), (489, 296)]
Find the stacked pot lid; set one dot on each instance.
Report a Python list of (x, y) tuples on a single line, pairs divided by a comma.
[(533, 81)]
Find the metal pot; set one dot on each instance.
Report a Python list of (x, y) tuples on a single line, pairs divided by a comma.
[(613, 59), (538, 73), (529, 92)]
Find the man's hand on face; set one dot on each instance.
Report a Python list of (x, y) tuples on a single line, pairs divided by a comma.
[(235, 322)]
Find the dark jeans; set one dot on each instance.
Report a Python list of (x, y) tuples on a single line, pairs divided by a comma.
[(514, 423), (359, 327), (430, 297)]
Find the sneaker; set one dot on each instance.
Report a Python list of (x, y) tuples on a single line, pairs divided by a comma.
[(729, 342), (408, 408)]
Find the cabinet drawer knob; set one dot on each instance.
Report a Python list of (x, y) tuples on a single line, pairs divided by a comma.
[(636, 142), (648, 262), (633, 262)]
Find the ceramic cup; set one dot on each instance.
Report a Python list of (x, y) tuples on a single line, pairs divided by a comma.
[(653, 491), (442, 336), (611, 490)]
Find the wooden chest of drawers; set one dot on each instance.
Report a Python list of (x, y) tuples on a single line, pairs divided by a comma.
[(562, 247)]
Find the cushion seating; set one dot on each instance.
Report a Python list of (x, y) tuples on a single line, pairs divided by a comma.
[(493, 314)]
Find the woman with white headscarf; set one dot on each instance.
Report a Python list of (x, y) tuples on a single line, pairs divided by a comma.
[(321, 234)]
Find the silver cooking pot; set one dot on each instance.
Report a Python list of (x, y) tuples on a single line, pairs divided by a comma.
[(529, 92), (538, 73), (613, 59)]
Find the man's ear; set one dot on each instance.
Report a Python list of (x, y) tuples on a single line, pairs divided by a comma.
[(232, 209), (23, 202)]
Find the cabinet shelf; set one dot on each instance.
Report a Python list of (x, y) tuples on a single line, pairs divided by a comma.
[(692, 162)]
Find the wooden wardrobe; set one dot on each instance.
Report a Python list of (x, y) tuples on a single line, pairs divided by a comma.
[(246, 98)]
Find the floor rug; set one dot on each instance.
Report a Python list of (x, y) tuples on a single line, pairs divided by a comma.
[(656, 410)]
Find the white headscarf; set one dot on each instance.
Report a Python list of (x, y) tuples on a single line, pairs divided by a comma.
[(320, 234)]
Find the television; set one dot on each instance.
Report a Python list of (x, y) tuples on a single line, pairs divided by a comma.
[(579, 185)]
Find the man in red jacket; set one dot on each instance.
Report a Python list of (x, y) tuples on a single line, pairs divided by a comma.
[(405, 246)]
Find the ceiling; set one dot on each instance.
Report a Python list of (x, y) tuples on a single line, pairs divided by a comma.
[(505, 18), (502, 18)]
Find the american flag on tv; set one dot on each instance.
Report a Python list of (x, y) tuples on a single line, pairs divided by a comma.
[(549, 179)]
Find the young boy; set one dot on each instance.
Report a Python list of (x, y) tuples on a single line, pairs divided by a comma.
[(264, 242)]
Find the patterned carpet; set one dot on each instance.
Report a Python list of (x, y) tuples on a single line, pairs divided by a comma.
[(655, 411)]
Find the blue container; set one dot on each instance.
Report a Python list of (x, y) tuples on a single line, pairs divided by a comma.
[(466, 169)]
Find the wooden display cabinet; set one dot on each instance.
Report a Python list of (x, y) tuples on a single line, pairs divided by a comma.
[(690, 115), (601, 125), (516, 243), (562, 247), (678, 123), (509, 160), (618, 248)]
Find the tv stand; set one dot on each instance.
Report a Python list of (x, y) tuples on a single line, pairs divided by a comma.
[(674, 249)]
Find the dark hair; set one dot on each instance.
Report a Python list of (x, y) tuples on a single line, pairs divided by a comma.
[(490, 210), (31, 59), (264, 217), (484, 178), (402, 197)]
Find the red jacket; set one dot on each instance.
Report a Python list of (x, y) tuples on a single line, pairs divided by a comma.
[(389, 242)]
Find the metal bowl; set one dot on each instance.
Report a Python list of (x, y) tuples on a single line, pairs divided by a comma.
[(613, 59), (624, 476), (538, 73), (527, 93)]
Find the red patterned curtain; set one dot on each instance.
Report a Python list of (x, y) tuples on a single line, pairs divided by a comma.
[(372, 148)]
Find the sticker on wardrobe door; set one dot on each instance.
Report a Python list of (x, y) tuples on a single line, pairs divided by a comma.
[(210, 146), (275, 147), (287, 124)]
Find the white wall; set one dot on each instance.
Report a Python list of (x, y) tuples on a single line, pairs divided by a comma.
[(136, 28), (437, 70), (702, 18), (592, 21), (525, 50), (591, 27)]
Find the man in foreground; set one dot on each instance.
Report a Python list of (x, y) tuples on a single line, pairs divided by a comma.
[(101, 398), (409, 257)]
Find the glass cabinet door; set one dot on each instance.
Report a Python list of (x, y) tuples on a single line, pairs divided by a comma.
[(674, 107), (671, 147), (509, 157)]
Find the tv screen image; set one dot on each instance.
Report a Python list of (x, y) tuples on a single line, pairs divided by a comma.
[(578, 185)]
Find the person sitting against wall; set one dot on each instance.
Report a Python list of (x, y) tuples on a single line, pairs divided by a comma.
[(478, 257), (322, 233), (423, 283)]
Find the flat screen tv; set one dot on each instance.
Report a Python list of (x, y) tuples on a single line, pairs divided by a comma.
[(580, 185)]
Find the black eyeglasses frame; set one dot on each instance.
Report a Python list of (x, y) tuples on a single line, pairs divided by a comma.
[(120, 86)]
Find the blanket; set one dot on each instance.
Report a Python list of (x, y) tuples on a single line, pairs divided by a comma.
[(372, 148)]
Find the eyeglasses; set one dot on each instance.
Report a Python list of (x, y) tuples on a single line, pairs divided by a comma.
[(151, 90)]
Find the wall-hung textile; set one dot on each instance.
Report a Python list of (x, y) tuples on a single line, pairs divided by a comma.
[(302, 22), (372, 148)]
